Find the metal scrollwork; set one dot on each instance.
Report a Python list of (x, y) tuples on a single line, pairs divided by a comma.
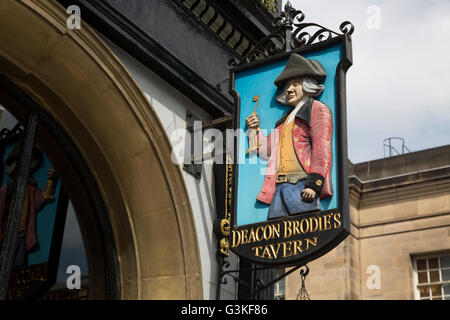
[(223, 226), (222, 229), (285, 38), (309, 33), (268, 46), (347, 27), (224, 246), (287, 17), (301, 38), (223, 264), (303, 293)]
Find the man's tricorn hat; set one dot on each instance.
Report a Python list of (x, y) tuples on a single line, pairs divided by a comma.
[(299, 67)]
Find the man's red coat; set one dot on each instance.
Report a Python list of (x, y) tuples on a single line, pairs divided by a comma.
[(312, 143)]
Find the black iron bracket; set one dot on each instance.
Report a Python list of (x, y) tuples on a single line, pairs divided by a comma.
[(291, 33), (260, 285)]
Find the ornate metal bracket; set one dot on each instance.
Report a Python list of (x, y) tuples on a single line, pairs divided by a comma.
[(303, 294), (222, 227), (5, 133), (259, 284), (285, 38), (221, 82)]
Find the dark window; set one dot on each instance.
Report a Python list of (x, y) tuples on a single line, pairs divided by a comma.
[(56, 237), (48, 246)]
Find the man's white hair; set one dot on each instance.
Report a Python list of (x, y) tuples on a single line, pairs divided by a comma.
[(310, 87)]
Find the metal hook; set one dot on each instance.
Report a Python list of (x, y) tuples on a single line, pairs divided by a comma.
[(305, 272)]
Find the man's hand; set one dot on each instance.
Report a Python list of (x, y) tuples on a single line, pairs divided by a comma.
[(252, 121), (308, 195)]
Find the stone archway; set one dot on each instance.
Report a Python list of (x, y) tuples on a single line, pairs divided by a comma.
[(78, 81)]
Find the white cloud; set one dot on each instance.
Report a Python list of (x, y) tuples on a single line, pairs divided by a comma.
[(398, 85)]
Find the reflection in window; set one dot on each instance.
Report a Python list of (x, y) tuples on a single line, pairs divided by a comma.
[(433, 277), (7, 120), (49, 240), (72, 254), (279, 289)]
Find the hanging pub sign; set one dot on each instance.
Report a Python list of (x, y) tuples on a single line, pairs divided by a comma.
[(287, 181)]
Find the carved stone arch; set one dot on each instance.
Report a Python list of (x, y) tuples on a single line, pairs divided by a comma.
[(85, 89)]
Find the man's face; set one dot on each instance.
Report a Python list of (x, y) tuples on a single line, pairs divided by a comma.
[(294, 91)]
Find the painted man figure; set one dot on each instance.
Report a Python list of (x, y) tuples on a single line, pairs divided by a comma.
[(35, 200), (299, 149)]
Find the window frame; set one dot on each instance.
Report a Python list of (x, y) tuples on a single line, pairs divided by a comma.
[(427, 269), (277, 293)]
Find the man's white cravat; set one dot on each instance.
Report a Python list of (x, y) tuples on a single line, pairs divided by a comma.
[(296, 109)]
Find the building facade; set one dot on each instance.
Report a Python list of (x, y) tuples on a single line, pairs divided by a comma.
[(399, 245), (114, 85), (114, 88)]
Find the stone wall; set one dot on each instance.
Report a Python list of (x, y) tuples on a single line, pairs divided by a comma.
[(394, 217)]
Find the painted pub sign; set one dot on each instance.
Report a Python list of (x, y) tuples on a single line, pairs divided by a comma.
[(287, 186)]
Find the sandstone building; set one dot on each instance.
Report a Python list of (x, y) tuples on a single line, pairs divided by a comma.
[(399, 245)]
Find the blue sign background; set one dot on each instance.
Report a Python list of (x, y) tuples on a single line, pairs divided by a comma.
[(251, 173)]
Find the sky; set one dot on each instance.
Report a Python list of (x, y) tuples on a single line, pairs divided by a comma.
[(399, 84)]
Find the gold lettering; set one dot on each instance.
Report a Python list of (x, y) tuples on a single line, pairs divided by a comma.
[(266, 251), (287, 252), (274, 253), (296, 224), (302, 228), (297, 247), (244, 236), (316, 225), (337, 220), (258, 237), (267, 236), (236, 243), (252, 238), (309, 241), (287, 229), (327, 220), (276, 230), (256, 249)]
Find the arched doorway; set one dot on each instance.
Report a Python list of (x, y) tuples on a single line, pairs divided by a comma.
[(87, 93)]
